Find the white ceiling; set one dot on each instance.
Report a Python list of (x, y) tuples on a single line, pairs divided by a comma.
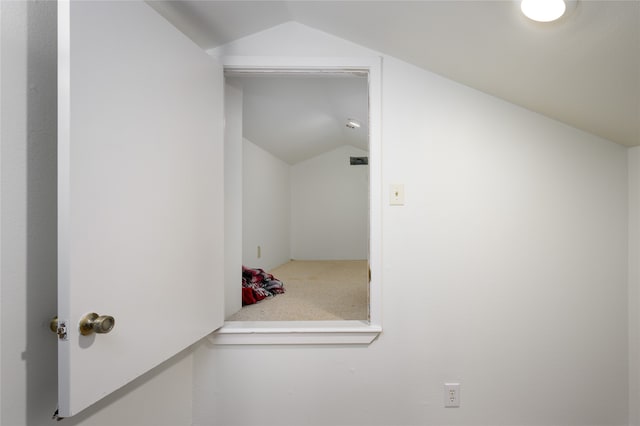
[(296, 117), (583, 70)]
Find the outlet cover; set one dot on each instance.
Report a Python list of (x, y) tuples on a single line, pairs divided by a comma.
[(452, 395)]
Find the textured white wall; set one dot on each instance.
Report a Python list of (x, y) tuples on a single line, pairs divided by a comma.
[(513, 222), (28, 262), (28, 211), (505, 270), (330, 207), (634, 286), (266, 200)]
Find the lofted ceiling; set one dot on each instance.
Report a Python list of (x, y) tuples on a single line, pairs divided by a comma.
[(583, 70)]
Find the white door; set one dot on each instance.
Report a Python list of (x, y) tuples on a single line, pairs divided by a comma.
[(140, 194)]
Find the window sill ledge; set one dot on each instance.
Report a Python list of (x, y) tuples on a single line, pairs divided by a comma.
[(296, 333)]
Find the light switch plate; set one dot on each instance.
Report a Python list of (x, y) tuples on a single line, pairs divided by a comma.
[(396, 194)]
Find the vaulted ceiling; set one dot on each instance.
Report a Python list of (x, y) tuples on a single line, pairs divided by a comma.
[(583, 70), (297, 117)]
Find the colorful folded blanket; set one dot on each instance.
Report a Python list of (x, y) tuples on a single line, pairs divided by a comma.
[(258, 284)]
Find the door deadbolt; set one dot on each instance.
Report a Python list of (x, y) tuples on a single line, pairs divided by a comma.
[(94, 323)]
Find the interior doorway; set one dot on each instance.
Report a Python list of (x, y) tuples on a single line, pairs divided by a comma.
[(305, 192)]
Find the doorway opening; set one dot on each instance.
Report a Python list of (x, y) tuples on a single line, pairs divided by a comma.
[(305, 187)]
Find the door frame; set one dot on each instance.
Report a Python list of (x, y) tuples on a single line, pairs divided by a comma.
[(325, 332)]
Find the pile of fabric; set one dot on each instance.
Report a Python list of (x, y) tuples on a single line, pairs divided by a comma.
[(257, 284)]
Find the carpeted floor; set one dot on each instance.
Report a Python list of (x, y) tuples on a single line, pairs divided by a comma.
[(315, 290)]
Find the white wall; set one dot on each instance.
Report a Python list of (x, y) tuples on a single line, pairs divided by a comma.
[(517, 224), (634, 286), (505, 270), (266, 212), (330, 207), (233, 200), (28, 367), (28, 212)]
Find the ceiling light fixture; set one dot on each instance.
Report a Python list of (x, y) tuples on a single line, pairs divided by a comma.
[(543, 10), (353, 124)]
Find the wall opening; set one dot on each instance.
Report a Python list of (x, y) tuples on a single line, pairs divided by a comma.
[(292, 123), (305, 207)]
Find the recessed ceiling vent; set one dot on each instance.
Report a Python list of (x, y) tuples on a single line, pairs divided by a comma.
[(359, 161)]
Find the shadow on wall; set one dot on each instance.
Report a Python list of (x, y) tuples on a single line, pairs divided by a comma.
[(40, 355)]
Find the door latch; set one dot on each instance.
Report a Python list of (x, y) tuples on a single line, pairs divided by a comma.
[(59, 327)]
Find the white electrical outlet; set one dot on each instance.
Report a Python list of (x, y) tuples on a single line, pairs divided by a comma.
[(452, 395), (396, 194)]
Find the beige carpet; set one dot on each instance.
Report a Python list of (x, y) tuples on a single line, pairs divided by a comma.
[(315, 290)]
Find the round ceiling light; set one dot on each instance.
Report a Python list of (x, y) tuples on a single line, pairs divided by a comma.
[(543, 10)]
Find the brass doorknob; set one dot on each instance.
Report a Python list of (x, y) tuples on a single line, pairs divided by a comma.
[(94, 323), (53, 324)]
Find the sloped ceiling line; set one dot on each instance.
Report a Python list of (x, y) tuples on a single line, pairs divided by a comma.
[(583, 70)]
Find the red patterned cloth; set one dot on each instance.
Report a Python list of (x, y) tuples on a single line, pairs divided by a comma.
[(257, 284)]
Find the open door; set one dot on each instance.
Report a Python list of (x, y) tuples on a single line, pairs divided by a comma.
[(140, 192)]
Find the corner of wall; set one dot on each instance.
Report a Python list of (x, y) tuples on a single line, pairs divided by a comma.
[(634, 284)]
